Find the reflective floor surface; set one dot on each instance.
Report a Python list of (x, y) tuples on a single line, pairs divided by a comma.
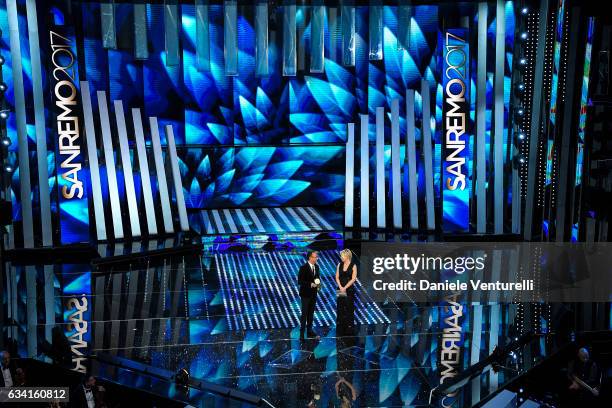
[(178, 314)]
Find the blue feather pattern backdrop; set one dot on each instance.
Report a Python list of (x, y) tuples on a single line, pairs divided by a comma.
[(246, 140)]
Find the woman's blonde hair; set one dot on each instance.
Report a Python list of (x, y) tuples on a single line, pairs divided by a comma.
[(346, 253)]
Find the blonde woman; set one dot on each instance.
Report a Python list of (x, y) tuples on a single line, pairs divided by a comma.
[(346, 275)]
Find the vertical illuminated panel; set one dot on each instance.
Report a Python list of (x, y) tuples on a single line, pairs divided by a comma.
[(350, 177), (481, 111), (171, 26), (176, 175), (128, 174), (456, 142), (475, 341), (20, 116), (145, 177), (535, 124), (396, 181), (107, 16), (202, 36), (261, 38), (141, 49), (92, 156), (316, 38), (404, 19), (161, 176), (411, 160), (376, 30), (109, 158), (494, 314), (70, 161), (49, 299), (230, 36), (586, 70), (333, 29), (380, 168), (365, 172), (567, 128), (498, 112), (348, 35), (289, 40), (428, 155), (39, 123), (31, 310)]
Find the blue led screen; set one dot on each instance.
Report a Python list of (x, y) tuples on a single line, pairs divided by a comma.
[(262, 176), (212, 111)]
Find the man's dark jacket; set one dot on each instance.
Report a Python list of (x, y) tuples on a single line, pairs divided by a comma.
[(305, 278)]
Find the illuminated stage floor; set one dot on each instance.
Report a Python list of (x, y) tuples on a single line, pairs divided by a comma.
[(259, 291), (176, 315), (273, 220)]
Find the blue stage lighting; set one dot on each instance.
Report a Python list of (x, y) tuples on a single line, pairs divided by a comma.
[(520, 87), (523, 36), (523, 61), (2, 60), (524, 11), (3, 87), (6, 141), (520, 112), (8, 168), (521, 136), (4, 114)]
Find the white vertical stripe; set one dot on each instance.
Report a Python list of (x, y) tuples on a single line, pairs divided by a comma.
[(161, 176), (176, 175), (396, 181), (411, 158), (39, 121), (498, 138), (381, 221), (145, 176), (128, 174), (349, 183), (365, 172), (109, 159), (20, 118), (92, 155), (481, 110), (427, 151)]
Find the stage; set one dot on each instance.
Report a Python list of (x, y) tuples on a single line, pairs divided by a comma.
[(231, 318), (166, 167)]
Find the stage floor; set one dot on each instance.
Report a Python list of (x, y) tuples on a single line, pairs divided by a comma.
[(231, 318)]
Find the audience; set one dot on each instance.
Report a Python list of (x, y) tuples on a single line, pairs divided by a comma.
[(8, 378)]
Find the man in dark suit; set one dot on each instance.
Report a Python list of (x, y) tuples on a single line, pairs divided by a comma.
[(309, 273), (7, 379), (86, 395)]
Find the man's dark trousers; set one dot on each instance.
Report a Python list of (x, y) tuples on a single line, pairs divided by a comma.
[(308, 308)]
